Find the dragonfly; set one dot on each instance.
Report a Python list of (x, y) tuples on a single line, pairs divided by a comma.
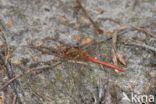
[(69, 52)]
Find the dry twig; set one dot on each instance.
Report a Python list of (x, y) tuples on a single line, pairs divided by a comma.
[(27, 71), (97, 28), (142, 45), (4, 57), (144, 31)]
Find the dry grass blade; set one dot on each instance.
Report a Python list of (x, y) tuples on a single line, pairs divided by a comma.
[(114, 55), (117, 57), (121, 59), (14, 99), (110, 19)]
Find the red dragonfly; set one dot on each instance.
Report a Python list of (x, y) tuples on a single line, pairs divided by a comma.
[(75, 53), (80, 54)]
